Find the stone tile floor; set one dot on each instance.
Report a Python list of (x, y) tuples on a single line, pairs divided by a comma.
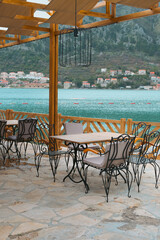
[(40, 209)]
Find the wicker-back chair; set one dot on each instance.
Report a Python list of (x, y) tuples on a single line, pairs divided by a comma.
[(114, 162), (25, 134), (148, 154), (46, 145)]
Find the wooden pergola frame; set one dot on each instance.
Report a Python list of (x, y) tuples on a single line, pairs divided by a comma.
[(52, 32)]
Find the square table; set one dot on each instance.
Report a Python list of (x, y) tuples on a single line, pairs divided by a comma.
[(80, 140)]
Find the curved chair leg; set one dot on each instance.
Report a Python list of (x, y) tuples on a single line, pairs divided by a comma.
[(37, 163), (129, 182), (106, 179), (85, 171), (56, 160), (67, 160), (157, 172), (135, 169), (138, 174), (17, 151), (25, 148)]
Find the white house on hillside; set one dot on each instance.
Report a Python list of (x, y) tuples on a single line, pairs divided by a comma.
[(142, 71)]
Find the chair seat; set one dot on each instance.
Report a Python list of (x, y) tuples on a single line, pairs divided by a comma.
[(15, 138), (97, 162), (12, 138), (55, 153)]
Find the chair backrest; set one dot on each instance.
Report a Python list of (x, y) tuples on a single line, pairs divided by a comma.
[(118, 151), (26, 129), (73, 128), (151, 146), (140, 129), (2, 128)]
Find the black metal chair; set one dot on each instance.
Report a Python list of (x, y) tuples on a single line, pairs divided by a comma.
[(2, 136), (46, 145), (139, 130), (25, 134), (114, 162), (148, 153)]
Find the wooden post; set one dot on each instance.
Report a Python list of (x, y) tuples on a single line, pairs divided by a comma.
[(59, 123), (53, 83), (113, 10), (108, 7), (129, 126), (123, 125)]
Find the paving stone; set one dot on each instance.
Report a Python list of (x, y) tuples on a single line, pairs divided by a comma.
[(5, 212), (91, 200), (5, 230), (80, 220), (21, 207), (75, 209), (143, 212), (17, 185), (16, 219), (40, 213), (114, 236), (35, 195), (61, 232), (27, 227)]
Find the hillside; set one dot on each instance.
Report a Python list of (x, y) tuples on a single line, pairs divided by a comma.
[(129, 45)]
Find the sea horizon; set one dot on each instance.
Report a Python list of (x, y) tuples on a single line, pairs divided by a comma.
[(139, 105)]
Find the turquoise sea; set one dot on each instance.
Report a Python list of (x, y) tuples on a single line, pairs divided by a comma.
[(140, 105)]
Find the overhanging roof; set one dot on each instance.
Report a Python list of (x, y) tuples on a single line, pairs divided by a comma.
[(65, 10), (18, 16)]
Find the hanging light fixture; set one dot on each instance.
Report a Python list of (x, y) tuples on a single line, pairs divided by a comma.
[(75, 47)]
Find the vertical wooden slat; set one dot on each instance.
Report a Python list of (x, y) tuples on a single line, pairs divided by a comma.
[(113, 10), (123, 124), (108, 7), (129, 126), (53, 83)]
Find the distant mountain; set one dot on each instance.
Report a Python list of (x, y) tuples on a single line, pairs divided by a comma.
[(129, 45)]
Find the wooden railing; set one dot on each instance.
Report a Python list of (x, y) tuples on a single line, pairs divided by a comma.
[(94, 124), (89, 124)]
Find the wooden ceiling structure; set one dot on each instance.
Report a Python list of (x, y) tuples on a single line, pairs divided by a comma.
[(19, 23)]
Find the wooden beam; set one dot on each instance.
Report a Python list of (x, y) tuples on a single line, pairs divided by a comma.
[(21, 17), (128, 17), (9, 38), (26, 40), (42, 29), (25, 4), (94, 14), (64, 31), (53, 82)]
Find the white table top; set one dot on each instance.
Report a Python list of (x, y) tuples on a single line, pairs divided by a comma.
[(12, 122), (88, 137)]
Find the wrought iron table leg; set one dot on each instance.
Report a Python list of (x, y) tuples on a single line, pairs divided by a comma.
[(75, 164)]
